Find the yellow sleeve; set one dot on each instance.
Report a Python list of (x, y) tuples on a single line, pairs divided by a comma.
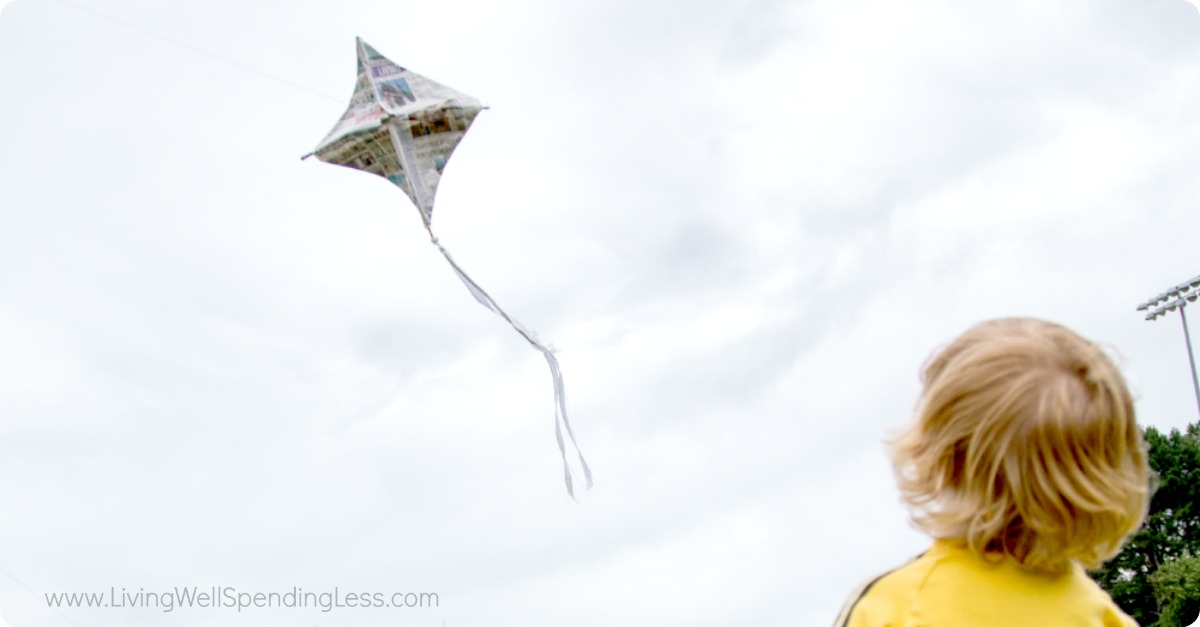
[(852, 614)]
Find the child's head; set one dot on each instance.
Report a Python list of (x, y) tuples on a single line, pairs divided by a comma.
[(1025, 444)]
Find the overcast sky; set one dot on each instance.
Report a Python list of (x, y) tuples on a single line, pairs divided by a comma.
[(744, 225)]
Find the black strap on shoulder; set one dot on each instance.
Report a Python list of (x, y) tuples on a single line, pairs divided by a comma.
[(843, 619)]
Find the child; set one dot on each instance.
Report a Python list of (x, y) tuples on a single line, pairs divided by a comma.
[(1025, 465)]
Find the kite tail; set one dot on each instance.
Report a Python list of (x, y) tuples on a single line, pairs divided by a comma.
[(560, 395)]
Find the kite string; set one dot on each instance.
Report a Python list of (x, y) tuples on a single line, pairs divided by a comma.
[(560, 397), (199, 51)]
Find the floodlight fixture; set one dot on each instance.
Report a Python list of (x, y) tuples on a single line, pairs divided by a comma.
[(1178, 297)]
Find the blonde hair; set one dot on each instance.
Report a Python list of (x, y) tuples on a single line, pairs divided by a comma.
[(1025, 445)]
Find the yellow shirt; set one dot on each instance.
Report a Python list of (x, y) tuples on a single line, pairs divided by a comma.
[(948, 586)]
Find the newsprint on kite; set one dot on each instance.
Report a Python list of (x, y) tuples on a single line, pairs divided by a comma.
[(404, 127)]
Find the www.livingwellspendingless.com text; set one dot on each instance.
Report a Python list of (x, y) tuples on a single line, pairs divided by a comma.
[(230, 598)]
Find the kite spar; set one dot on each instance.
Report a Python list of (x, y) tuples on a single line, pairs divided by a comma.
[(404, 127)]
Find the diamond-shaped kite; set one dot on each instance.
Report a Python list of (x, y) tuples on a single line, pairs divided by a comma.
[(404, 127)]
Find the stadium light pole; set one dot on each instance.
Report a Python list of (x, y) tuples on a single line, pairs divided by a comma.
[(1177, 298)]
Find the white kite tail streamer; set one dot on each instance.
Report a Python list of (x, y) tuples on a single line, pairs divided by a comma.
[(560, 396)]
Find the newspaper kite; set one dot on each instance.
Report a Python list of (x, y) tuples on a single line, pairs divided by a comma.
[(404, 127)]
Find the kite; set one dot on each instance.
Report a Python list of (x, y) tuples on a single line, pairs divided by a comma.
[(404, 127)]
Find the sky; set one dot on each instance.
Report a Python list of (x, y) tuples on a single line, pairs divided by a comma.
[(743, 226)]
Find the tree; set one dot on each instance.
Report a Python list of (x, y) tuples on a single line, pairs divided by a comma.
[(1149, 578), (1177, 588)]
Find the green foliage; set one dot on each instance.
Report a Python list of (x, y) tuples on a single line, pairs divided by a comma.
[(1169, 542), (1177, 588)]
